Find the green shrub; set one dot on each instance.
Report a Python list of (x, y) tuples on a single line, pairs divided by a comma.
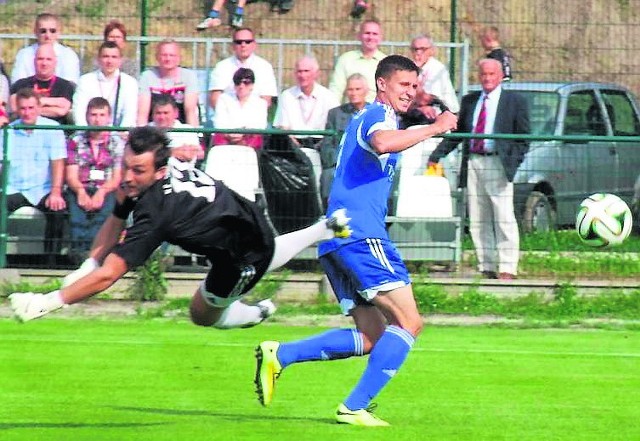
[(150, 283)]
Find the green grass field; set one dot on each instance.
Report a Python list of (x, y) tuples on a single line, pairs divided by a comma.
[(83, 379)]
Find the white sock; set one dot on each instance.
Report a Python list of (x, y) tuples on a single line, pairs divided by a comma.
[(291, 244), (238, 315)]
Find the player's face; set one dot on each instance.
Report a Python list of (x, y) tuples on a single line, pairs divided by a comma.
[(98, 116), (110, 60), (47, 31), (399, 89), (139, 172), (28, 110), (168, 56), (356, 92), (490, 75), (165, 116)]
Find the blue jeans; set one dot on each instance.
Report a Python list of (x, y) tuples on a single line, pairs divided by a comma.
[(85, 224)]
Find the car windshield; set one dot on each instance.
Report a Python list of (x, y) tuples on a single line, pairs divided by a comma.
[(543, 110)]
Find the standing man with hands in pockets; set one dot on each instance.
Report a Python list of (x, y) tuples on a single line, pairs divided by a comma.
[(488, 168)]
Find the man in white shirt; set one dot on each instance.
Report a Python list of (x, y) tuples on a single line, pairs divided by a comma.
[(363, 61), (185, 146), (47, 30), (244, 47), (434, 74), (306, 105), (108, 82)]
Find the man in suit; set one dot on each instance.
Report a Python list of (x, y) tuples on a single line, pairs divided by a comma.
[(337, 119), (488, 168)]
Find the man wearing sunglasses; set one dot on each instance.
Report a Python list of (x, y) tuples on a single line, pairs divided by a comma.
[(47, 30), (244, 46)]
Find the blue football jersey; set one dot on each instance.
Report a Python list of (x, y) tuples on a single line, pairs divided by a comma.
[(363, 178)]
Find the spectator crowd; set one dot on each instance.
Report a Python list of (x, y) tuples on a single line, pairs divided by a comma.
[(76, 173)]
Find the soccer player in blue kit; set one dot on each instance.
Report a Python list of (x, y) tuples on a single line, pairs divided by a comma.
[(365, 270)]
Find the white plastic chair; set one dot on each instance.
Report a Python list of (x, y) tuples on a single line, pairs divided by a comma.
[(316, 163), (424, 196), (237, 167), (26, 231), (420, 195)]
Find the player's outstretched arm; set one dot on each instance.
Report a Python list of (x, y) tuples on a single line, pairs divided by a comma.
[(389, 141), (28, 306), (98, 280), (105, 240)]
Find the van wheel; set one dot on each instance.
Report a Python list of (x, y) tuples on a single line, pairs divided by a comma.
[(539, 214)]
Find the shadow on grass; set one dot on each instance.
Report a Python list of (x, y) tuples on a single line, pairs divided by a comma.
[(229, 416)]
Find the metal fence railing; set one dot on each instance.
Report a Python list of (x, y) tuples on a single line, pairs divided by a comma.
[(201, 54), (422, 238)]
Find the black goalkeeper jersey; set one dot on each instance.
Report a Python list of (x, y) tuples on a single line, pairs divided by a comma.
[(199, 214)]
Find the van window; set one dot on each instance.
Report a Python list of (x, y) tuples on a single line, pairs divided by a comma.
[(624, 120), (583, 115), (543, 108)]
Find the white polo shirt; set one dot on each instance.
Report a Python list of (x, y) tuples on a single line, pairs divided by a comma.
[(67, 66), (221, 77), (95, 84)]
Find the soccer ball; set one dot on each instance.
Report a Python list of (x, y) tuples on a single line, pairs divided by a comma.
[(603, 220)]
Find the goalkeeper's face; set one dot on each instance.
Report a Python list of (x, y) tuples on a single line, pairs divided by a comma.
[(139, 172)]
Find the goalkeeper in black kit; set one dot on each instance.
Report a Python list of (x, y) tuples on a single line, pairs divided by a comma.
[(170, 201)]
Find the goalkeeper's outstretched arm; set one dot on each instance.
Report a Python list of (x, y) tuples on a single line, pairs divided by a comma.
[(101, 278)]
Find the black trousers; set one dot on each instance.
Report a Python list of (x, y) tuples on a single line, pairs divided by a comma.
[(54, 225)]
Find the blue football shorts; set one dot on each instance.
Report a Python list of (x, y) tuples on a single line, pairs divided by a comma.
[(358, 271)]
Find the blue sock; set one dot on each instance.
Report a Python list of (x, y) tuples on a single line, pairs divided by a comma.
[(214, 14), (239, 10), (330, 345), (386, 357)]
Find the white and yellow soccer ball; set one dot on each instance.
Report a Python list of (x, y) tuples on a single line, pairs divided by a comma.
[(603, 219)]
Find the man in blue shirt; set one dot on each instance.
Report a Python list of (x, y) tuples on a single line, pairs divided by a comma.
[(365, 270), (37, 161)]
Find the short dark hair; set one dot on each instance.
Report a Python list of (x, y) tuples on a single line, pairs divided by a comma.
[(243, 74), (97, 102), (163, 99), (392, 63), (26, 93), (150, 139), (108, 45)]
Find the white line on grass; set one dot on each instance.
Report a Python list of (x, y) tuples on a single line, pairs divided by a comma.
[(43, 339)]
